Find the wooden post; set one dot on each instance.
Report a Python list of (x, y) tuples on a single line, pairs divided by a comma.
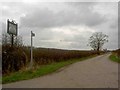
[(31, 61), (12, 40)]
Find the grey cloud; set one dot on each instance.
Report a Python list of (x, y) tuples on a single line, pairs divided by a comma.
[(114, 25), (3, 27), (77, 38), (78, 45), (47, 18), (42, 19)]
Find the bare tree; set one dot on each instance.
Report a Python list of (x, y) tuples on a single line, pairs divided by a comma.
[(6, 39), (97, 40), (18, 41)]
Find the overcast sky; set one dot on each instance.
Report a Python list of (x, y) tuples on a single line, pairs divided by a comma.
[(65, 25)]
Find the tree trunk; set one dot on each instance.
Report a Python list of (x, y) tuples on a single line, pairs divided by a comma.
[(98, 49)]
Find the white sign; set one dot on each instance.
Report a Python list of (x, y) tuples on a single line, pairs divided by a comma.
[(12, 28)]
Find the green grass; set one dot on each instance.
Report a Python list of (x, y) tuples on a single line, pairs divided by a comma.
[(40, 71), (114, 57)]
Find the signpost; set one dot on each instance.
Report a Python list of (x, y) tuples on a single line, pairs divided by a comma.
[(31, 61), (12, 28)]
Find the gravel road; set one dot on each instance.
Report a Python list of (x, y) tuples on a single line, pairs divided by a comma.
[(97, 72)]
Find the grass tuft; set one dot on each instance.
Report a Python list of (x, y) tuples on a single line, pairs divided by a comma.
[(115, 58)]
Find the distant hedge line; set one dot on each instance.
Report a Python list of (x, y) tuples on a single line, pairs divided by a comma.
[(47, 55), (117, 52), (44, 56)]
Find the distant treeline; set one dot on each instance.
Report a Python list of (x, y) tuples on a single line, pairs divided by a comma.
[(16, 58)]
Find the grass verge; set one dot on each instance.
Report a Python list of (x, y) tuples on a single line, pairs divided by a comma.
[(42, 70), (114, 57)]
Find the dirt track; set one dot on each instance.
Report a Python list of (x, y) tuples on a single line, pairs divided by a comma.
[(98, 72)]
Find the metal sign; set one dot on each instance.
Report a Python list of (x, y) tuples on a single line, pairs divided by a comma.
[(12, 28), (31, 61)]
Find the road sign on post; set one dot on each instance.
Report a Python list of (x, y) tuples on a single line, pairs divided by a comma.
[(31, 61), (12, 30)]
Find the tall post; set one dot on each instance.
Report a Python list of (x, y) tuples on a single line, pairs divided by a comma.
[(12, 39), (31, 62)]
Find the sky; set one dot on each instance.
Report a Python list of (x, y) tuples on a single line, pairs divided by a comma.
[(63, 25)]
